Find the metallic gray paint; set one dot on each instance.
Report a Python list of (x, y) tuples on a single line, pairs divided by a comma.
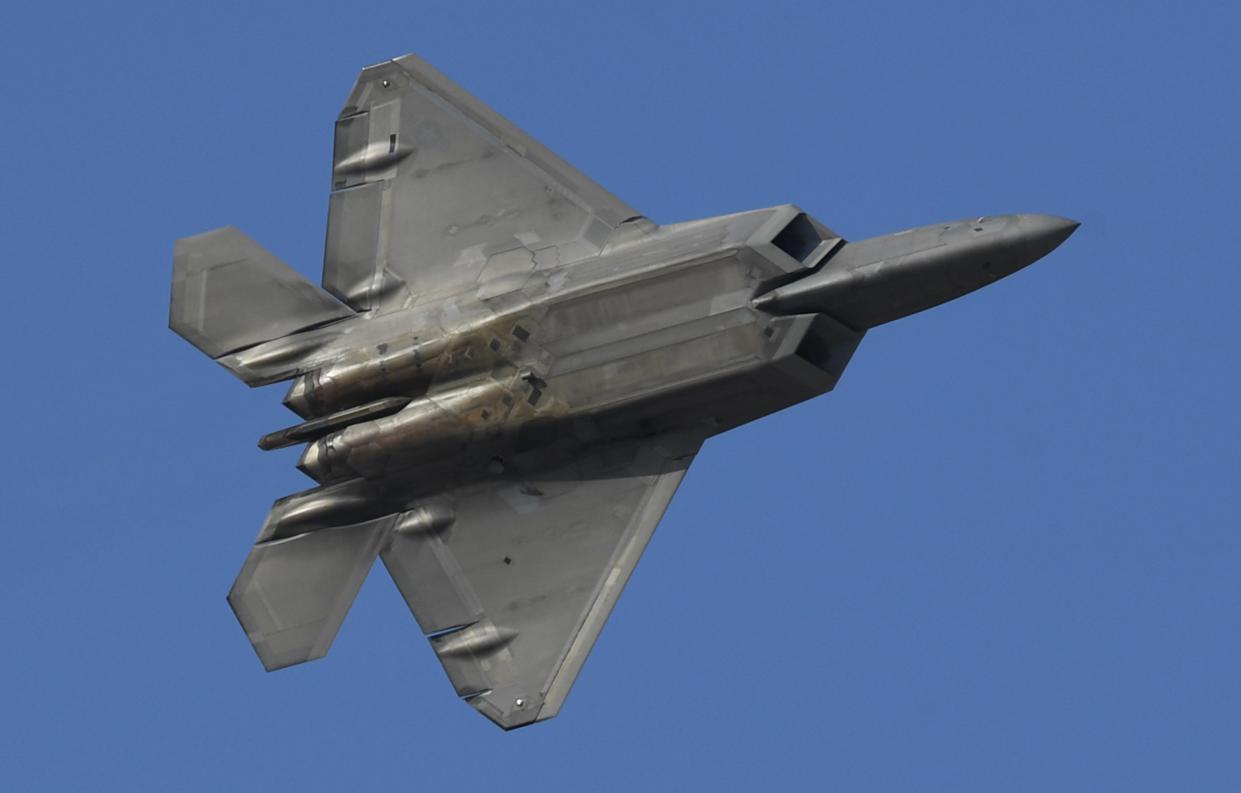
[(509, 371)]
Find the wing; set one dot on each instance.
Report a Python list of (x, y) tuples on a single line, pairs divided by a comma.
[(428, 183), (515, 591)]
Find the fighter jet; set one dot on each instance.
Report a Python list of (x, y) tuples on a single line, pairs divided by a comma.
[(508, 371)]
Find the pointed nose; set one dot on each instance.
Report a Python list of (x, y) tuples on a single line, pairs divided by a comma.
[(1039, 235)]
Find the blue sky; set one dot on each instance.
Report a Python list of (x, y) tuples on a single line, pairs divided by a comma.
[(1003, 555)]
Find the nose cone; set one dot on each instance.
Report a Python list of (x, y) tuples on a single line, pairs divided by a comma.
[(1038, 235), (885, 278)]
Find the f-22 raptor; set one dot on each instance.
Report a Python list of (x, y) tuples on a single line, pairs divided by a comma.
[(508, 371)]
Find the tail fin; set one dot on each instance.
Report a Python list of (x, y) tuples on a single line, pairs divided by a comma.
[(228, 293)]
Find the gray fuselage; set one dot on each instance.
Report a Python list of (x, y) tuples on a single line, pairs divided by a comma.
[(661, 332)]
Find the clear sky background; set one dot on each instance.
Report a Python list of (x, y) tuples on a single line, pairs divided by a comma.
[(1004, 555)]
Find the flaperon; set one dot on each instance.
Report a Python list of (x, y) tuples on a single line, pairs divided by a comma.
[(508, 371)]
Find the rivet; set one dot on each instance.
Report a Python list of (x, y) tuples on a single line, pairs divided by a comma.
[(385, 83), (519, 702)]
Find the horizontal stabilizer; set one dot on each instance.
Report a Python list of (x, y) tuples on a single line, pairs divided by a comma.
[(229, 293), (292, 595)]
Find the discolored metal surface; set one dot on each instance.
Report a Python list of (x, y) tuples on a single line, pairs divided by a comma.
[(508, 372)]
